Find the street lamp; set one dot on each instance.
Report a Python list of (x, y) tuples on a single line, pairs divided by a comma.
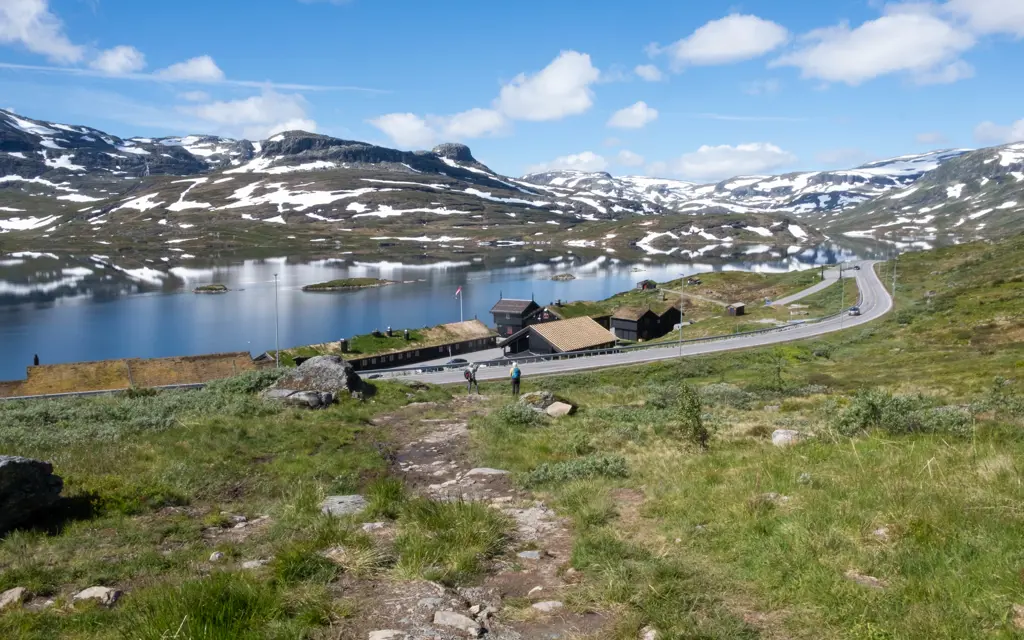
[(277, 329)]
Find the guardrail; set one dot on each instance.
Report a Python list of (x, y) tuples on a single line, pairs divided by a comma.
[(570, 355)]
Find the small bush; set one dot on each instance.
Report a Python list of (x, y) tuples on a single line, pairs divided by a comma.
[(385, 498), (303, 564), (691, 417), (608, 466), (248, 383), (517, 414), (901, 414), (727, 395)]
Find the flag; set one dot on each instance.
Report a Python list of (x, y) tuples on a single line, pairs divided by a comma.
[(458, 292)]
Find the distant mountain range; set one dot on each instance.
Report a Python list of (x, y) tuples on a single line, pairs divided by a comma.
[(57, 179)]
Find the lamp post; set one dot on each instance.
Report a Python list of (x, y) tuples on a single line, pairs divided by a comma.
[(277, 329)]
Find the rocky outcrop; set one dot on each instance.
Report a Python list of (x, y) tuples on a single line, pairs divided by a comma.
[(316, 383), (27, 488), (103, 596)]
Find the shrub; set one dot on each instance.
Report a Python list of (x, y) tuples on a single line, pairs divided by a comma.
[(249, 382), (691, 417), (726, 395), (517, 414), (303, 564), (901, 414), (607, 466), (385, 498)]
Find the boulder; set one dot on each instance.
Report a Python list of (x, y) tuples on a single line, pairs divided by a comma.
[(786, 437), (13, 598), (548, 606), (539, 400), (302, 399), (648, 633), (255, 564), (343, 505), (865, 581), (322, 373), (559, 409), (27, 487), (104, 596), (457, 621)]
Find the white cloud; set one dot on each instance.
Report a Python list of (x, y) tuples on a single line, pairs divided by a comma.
[(558, 90), (992, 133), (586, 161), (848, 157), (762, 87), (411, 131), (119, 60), (612, 142), (948, 74), (199, 69), (256, 117), (627, 158), (474, 123), (649, 72), (733, 38), (725, 161), (990, 16), (194, 96), (30, 23), (635, 116), (914, 42), (406, 130), (930, 137)]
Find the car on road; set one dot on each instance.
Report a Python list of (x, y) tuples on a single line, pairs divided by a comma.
[(856, 267), (456, 361), (854, 311)]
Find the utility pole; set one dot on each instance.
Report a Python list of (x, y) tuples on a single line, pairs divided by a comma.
[(842, 299), (277, 329), (895, 261)]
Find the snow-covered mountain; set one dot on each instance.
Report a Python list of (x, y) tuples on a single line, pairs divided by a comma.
[(70, 180)]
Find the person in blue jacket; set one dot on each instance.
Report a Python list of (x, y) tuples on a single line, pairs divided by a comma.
[(515, 374)]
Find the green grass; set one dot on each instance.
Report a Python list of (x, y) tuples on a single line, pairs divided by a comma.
[(345, 283), (915, 434)]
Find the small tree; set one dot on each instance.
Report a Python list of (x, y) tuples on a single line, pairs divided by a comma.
[(691, 416)]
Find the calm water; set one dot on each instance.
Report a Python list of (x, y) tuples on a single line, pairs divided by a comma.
[(67, 309)]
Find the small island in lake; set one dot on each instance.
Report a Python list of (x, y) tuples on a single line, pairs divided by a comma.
[(347, 284), (563, 277), (211, 288)]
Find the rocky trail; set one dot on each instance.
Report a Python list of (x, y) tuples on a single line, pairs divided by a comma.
[(523, 594)]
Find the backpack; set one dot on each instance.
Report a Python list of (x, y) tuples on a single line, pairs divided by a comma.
[(515, 373), (466, 374)]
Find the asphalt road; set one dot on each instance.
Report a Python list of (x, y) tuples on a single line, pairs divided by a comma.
[(875, 302)]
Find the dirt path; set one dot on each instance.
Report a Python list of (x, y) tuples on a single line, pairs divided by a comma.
[(698, 297), (432, 458)]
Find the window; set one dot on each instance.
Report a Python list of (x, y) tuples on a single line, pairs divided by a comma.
[(373, 361), (508, 316)]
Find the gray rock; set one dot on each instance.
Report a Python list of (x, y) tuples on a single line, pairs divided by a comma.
[(457, 621), (370, 527), (322, 374), (343, 505), (786, 437), (27, 488), (648, 633), (530, 555), (216, 556), (429, 603), (881, 534), (485, 471), (804, 478), (865, 581), (540, 400), (104, 596), (559, 409), (548, 606), (255, 564), (302, 399), (386, 634), (13, 598)]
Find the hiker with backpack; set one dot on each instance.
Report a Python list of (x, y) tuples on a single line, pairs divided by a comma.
[(515, 374), (470, 375)]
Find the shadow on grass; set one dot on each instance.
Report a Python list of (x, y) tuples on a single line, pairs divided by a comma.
[(66, 510)]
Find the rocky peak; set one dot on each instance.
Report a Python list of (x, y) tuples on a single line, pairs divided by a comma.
[(454, 151)]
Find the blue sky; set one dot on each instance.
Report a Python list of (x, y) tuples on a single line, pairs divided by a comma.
[(697, 91)]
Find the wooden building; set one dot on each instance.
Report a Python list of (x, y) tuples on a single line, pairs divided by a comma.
[(737, 309), (647, 285), (559, 336), (644, 323), (511, 316)]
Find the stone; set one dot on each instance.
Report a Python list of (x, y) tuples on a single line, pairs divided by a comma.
[(786, 437), (374, 526), (881, 534), (343, 505), (104, 596), (534, 591), (255, 564), (216, 556), (865, 581), (457, 621), (648, 633), (548, 606), (475, 610), (13, 598), (485, 471), (540, 400), (27, 488), (559, 409), (322, 374), (238, 519), (530, 555), (386, 634), (1018, 615), (804, 478), (429, 603), (301, 399)]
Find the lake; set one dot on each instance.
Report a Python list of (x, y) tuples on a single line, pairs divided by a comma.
[(66, 308)]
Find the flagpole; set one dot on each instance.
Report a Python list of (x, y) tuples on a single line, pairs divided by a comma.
[(461, 318)]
